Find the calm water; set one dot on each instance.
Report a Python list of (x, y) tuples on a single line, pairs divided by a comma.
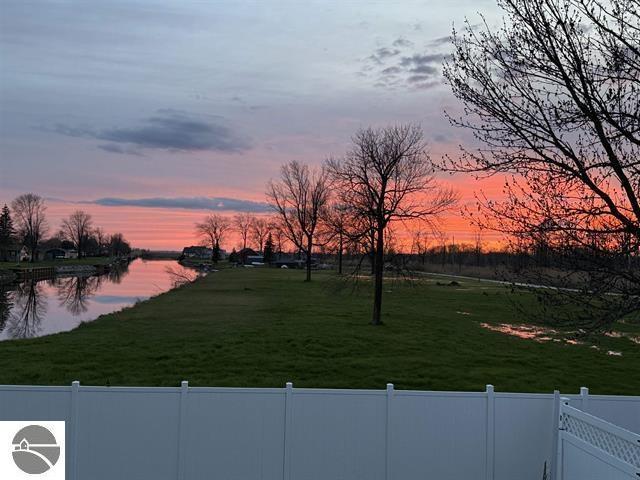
[(33, 309)]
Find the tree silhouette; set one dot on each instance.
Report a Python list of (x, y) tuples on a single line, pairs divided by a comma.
[(387, 176), (553, 98)]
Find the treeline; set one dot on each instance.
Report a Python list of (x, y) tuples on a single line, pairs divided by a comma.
[(25, 233)]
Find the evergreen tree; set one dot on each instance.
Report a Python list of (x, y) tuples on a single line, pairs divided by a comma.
[(7, 233), (268, 249), (233, 256)]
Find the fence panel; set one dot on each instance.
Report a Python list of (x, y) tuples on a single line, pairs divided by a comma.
[(234, 435), (438, 435), (621, 411), (338, 434), (127, 433), (523, 435), (593, 449)]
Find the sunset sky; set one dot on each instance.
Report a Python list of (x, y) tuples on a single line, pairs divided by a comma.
[(149, 114)]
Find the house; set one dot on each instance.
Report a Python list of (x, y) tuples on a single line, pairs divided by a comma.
[(254, 259), (60, 253), (10, 253), (54, 254), (197, 252), (245, 253)]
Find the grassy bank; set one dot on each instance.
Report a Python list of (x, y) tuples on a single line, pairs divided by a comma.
[(259, 327)]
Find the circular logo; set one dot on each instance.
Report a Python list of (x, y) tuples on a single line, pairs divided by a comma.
[(35, 449)]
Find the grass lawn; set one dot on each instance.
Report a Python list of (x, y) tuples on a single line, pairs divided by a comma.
[(263, 327), (56, 263)]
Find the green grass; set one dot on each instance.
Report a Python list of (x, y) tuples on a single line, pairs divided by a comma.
[(56, 263), (261, 327)]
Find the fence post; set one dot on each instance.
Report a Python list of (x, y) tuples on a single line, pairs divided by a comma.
[(288, 420), (555, 453), (182, 429), (73, 429), (387, 444), (491, 433), (584, 396)]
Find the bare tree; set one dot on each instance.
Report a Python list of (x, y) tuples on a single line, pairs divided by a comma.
[(279, 237), (101, 239), (29, 216), (118, 246), (77, 229), (259, 232), (242, 225), (213, 231), (387, 176), (420, 244), (299, 198), (553, 98), (337, 229)]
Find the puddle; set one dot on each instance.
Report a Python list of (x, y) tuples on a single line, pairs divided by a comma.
[(542, 334), (529, 332), (633, 338)]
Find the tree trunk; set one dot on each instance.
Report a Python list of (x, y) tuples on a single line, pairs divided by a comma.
[(378, 271), (340, 255), (309, 246)]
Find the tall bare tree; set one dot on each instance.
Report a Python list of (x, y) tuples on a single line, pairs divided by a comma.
[(77, 229), (242, 225), (213, 230), (29, 217), (553, 97), (387, 176), (298, 198), (259, 232)]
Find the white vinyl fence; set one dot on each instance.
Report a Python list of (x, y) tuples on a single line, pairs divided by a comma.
[(593, 449), (188, 433)]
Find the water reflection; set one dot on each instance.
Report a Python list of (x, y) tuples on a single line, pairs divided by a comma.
[(35, 308), (5, 306), (74, 292), (29, 305)]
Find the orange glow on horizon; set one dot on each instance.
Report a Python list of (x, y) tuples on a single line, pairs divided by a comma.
[(173, 228)]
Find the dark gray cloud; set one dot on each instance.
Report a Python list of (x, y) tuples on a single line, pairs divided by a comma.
[(188, 203), (421, 59), (436, 42), (168, 129), (383, 53), (402, 42), (398, 66), (392, 71), (115, 148)]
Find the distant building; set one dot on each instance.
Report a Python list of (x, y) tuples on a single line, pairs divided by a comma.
[(197, 252), (60, 254), (11, 253), (253, 259), (245, 253)]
